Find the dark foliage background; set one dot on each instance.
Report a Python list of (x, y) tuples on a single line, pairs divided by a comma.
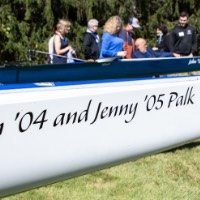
[(28, 24)]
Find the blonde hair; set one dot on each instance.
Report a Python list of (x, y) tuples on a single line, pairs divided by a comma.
[(112, 24), (61, 25), (60, 28), (64, 22)]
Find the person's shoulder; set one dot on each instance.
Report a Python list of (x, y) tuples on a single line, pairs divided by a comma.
[(176, 27), (136, 51), (175, 30), (191, 27), (51, 39), (123, 30), (123, 33), (106, 35), (87, 34), (166, 35), (57, 36), (149, 49), (137, 54)]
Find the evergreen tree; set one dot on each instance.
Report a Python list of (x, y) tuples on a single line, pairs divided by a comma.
[(28, 24)]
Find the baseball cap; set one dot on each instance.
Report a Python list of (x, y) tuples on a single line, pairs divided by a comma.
[(134, 22)]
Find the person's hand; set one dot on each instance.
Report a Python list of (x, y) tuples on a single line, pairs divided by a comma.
[(176, 55), (155, 48), (70, 48), (73, 51), (190, 55), (90, 60), (122, 53)]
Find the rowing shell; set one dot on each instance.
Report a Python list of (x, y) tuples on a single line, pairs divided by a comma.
[(55, 131)]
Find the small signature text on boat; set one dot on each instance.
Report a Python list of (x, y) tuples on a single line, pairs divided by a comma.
[(194, 61)]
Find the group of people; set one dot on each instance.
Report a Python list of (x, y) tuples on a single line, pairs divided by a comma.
[(121, 42)]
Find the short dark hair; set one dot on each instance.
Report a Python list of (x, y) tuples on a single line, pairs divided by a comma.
[(162, 27), (184, 14)]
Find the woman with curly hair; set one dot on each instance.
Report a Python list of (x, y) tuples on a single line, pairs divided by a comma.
[(112, 45)]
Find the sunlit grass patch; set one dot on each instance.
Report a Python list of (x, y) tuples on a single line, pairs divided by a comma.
[(174, 174)]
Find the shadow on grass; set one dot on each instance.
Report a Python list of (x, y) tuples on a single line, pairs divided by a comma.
[(185, 146), (104, 176)]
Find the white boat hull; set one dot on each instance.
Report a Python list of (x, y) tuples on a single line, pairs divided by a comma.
[(55, 133)]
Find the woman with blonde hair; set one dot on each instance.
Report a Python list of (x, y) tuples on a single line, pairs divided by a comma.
[(112, 45), (61, 42)]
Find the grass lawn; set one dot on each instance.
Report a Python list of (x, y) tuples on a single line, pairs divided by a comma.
[(174, 174)]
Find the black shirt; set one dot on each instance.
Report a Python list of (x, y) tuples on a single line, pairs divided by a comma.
[(183, 40)]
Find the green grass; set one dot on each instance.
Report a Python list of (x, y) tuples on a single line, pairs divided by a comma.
[(174, 174)]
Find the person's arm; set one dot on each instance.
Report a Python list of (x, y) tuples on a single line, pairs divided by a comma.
[(155, 48), (87, 46), (171, 41), (166, 54), (105, 50), (57, 44), (157, 54), (137, 54), (163, 54), (123, 35), (194, 42), (166, 42), (50, 48)]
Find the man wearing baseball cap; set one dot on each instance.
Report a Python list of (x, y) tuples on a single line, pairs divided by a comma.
[(127, 35)]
